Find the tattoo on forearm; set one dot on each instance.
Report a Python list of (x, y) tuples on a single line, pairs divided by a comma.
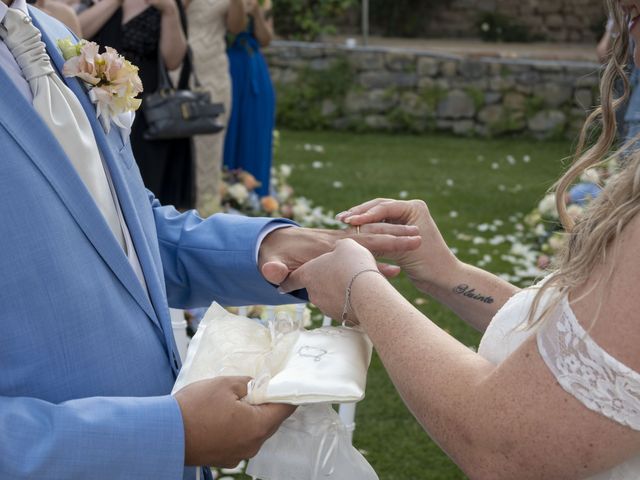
[(466, 291)]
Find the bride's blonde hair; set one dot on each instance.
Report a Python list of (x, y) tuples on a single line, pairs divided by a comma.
[(589, 240)]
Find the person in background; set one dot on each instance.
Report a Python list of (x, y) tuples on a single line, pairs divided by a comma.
[(627, 114), (62, 12), (140, 30), (209, 21), (249, 139)]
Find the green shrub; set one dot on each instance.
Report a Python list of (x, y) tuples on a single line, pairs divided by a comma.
[(308, 19), (495, 27), (300, 104), (402, 18)]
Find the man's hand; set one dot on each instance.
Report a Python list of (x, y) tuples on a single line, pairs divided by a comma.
[(285, 249), (219, 428)]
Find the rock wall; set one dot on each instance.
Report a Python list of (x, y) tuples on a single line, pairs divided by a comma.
[(360, 89), (552, 20)]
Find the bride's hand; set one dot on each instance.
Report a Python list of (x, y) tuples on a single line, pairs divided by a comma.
[(326, 277), (423, 265)]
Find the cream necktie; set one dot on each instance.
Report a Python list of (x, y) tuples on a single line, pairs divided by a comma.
[(61, 111)]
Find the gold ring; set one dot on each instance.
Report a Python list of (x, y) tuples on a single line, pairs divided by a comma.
[(357, 229)]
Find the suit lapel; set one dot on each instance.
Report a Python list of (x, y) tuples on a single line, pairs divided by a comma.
[(21, 121), (108, 144)]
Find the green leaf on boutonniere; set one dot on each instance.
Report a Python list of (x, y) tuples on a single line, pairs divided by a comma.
[(68, 48)]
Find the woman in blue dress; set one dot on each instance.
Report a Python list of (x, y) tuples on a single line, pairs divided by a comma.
[(249, 138)]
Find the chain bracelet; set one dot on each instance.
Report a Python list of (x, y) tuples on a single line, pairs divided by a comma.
[(347, 295)]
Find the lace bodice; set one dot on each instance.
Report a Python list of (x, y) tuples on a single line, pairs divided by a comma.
[(581, 366)]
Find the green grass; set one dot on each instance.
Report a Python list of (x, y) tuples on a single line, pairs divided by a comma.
[(448, 174)]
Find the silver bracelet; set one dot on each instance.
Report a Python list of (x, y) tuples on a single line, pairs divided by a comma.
[(347, 295)]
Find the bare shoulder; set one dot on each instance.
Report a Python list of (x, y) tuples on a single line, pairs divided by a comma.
[(614, 303)]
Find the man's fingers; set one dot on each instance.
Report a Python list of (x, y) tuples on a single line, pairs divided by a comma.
[(275, 272), (238, 385), (275, 413)]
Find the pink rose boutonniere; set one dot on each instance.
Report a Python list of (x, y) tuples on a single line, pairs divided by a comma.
[(113, 81)]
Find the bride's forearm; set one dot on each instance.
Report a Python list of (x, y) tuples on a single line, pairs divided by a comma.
[(497, 422), (473, 294), (435, 374)]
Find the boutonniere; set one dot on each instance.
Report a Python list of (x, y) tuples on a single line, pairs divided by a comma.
[(112, 81)]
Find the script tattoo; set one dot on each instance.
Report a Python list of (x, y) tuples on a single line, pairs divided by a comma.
[(466, 291)]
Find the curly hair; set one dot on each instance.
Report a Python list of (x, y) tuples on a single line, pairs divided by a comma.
[(591, 240)]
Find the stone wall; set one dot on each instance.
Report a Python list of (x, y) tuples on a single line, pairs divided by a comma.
[(551, 20), (325, 86)]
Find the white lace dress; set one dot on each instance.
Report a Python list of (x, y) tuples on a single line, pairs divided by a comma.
[(582, 368)]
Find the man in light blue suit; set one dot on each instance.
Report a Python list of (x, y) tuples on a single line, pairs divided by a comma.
[(87, 353)]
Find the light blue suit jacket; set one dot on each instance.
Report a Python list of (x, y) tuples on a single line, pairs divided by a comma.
[(87, 359)]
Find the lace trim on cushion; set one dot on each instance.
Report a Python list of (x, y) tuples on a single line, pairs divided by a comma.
[(586, 371)]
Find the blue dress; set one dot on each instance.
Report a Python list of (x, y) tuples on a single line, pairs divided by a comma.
[(249, 137)]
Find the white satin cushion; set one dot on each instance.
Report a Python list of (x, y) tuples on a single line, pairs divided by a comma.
[(288, 364)]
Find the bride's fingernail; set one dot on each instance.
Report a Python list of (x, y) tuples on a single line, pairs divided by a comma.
[(341, 214)]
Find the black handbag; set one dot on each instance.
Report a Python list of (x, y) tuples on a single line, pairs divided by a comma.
[(179, 113)]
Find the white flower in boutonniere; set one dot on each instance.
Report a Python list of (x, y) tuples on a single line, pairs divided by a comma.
[(113, 81)]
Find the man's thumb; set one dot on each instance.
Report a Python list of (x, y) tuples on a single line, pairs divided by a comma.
[(275, 272)]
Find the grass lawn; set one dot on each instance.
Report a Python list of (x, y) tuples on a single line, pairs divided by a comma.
[(466, 182)]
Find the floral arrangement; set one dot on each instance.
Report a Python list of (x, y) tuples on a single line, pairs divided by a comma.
[(113, 81), (544, 232), (239, 197)]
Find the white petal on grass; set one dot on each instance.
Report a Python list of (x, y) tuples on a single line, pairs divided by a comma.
[(317, 164), (495, 166), (480, 158), (403, 194), (497, 240), (449, 182), (479, 241), (474, 251), (502, 188), (338, 184), (453, 214), (511, 160), (526, 159), (454, 250), (434, 161), (483, 227)]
